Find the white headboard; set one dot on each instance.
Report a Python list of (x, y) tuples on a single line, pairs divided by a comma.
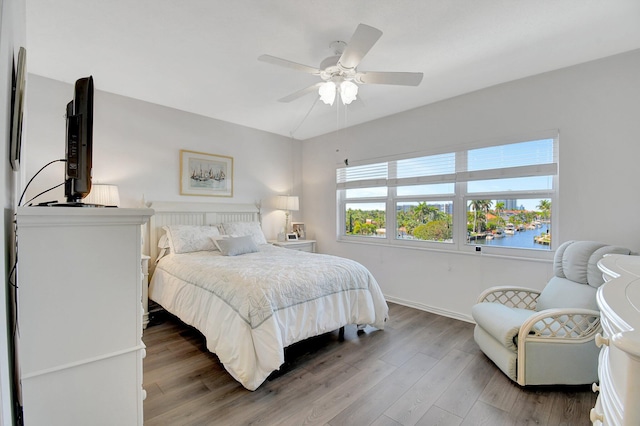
[(185, 213)]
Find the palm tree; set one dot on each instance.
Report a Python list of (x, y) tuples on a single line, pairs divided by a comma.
[(499, 209), (422, 212), (475, 205), (483, 206), (434, 213), (545, 208), (486, 205), (479, 205)]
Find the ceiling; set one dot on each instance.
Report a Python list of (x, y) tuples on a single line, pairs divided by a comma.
[(201, 55)]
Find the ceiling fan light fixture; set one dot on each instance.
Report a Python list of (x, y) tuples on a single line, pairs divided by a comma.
[(327, 92), (339, 73), (348, 92)]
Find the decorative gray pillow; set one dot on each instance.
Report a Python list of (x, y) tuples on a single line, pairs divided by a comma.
[(236, 246)]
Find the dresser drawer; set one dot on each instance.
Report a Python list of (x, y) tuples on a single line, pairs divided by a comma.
[(300, 245)]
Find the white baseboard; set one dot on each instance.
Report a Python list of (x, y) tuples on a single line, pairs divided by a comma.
[(432, 309)]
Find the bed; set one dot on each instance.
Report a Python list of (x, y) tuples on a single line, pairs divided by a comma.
[(248, 298)]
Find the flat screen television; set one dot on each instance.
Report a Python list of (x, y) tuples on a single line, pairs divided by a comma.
[(79, 150)]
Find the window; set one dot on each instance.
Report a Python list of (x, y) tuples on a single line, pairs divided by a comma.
[(425, 221), (499, 196), (510, 189), (364, 200), (365, 219), (510, 223)]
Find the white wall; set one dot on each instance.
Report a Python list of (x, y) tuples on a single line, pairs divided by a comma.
[(12, 36), (137, 146), (595, 106)]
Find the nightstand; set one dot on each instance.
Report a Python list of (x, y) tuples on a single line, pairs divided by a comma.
[(300, 245)]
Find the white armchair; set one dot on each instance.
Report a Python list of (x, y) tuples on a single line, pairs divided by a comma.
[(546, 337)]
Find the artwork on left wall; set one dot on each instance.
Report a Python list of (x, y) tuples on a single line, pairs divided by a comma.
[(17, 105), (206, 174)]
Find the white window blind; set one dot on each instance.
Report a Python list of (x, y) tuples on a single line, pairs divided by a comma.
[(522, 159), (368, 175), (411, 171)]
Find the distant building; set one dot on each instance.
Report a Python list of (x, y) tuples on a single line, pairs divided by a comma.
[(510, 204), (447, 208)]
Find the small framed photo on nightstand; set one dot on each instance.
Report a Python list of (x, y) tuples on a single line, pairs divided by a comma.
[(298, 229), (292, 237)]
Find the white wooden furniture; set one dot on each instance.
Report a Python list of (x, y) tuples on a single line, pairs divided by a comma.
[(301, 245), (145, 290), (619, 362), (80, 315)]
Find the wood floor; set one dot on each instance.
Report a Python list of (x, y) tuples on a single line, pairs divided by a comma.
[(423, 369)]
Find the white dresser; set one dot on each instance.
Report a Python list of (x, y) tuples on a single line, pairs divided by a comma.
[(618, 401), (79, 295)]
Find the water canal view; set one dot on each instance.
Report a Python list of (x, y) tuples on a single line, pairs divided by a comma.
[(502, 223), (535, 238)]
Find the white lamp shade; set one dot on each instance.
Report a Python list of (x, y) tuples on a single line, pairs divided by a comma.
[(103, 194), (327, 92), (348, 92), (287, 202)]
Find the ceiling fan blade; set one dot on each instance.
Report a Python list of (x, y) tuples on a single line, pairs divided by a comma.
[(361, 42), (300, 93), (288, 64), (399, 78)]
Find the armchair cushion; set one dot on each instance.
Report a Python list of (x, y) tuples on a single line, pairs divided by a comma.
[(578, 261), (571, 260), (565, 294), (501, 322)]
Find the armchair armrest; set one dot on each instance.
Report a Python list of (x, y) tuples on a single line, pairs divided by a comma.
[(560, 325), (566, 326), (514, 297)]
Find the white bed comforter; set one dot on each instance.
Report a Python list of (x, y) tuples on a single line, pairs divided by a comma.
[(251, 307)]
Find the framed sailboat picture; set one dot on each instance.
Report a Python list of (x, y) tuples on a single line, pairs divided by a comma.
[(205, 174)]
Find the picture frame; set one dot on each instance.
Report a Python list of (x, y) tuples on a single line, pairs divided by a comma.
[(292, 237), (17, 95), (203, 174), (298, 229)]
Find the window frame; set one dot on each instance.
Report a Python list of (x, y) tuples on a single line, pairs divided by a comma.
[(459, 198)]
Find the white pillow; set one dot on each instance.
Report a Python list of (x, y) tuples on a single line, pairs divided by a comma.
[(236, 246), (163, 242), (241, 229), (189, 238), (163, 245)]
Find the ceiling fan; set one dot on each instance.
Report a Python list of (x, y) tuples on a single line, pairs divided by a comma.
[(339, 73)]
